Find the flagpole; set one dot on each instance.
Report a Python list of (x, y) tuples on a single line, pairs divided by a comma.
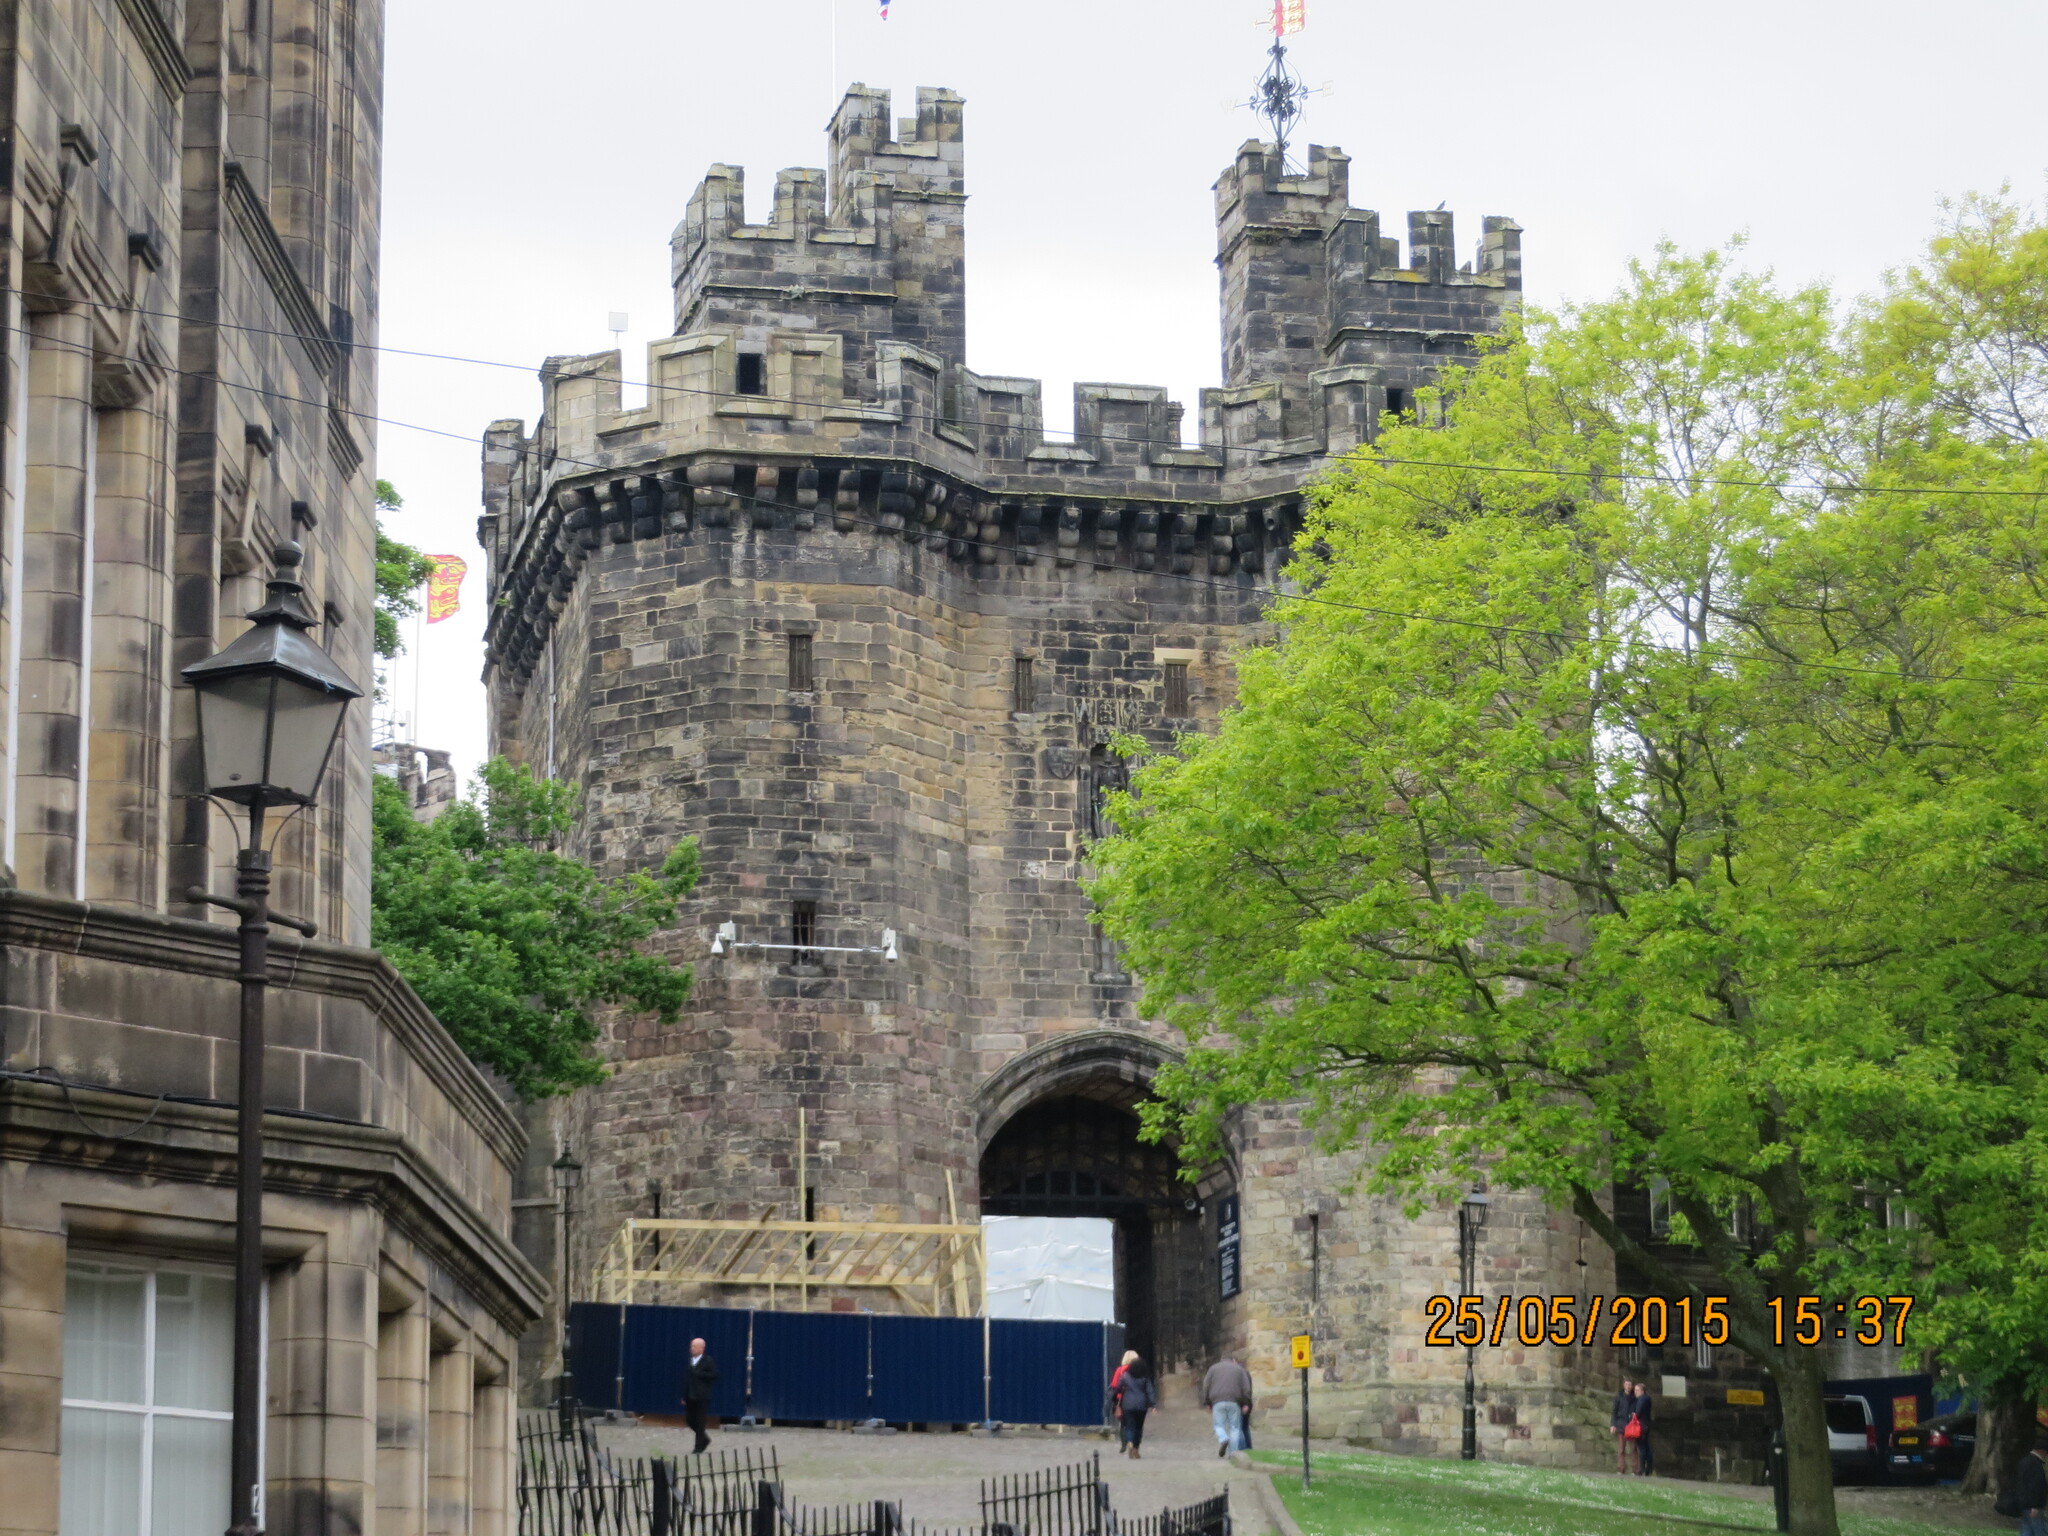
[(419, 639), (832, 82)]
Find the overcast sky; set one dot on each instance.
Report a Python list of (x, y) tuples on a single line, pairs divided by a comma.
[(537, 155)]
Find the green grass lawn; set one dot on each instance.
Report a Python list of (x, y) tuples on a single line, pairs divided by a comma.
[(1364, 1494)]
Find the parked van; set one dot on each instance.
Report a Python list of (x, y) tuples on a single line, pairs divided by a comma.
[(1854, 1445)]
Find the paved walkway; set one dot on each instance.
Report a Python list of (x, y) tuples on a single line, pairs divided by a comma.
[(937, 1477)]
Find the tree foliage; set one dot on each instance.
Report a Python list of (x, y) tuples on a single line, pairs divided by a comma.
[(1963, 335), (1640, 789), (1969, 322), (513, 943), (401, 572)]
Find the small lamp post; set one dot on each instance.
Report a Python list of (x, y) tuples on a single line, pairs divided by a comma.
[(1471, 1217), (271, 705), (568, 1178)]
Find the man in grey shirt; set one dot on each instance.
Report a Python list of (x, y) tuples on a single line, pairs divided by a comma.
[(1227, 1393)]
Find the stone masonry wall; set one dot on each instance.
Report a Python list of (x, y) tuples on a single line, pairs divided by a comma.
[(1355, 1272), (189, 255), (903, 791)]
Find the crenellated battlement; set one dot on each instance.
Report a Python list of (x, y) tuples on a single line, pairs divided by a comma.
[(817, 381), (1254, 197), (925, 157), (873, 247), (1311, 284)]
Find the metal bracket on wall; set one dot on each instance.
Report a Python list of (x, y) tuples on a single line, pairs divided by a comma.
[(727, 937)]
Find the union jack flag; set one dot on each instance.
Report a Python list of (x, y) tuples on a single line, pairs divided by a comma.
[(885, 10), (1289, 16)]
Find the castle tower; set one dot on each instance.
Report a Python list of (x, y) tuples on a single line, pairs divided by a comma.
[(874, 248), (844, 610), (1324, 326)]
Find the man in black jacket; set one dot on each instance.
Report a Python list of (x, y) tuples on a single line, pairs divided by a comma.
[(2030, 1489), (698, 1381)]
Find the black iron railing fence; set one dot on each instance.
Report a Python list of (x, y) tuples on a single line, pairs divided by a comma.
[(1059, 1501), (1211, 1517), (571, 1486)]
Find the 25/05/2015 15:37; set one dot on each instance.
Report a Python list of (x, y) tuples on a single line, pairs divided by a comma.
[(1652, 1320)]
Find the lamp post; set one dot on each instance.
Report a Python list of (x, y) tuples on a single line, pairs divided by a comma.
[(568, 1176), (271, 704), (1471, 1217)]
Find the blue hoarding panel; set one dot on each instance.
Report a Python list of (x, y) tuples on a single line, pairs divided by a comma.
[(927, 1369), (811, 1365), (593, 1351), (845, 1365), (1047, 1373), (657, 1353)]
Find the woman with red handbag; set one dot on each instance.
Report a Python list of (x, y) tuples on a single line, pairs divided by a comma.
[(1619, 1417), (1639, 1426)]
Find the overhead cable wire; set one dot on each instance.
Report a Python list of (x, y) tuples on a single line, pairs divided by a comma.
[(1076, 558), (1847, 488)]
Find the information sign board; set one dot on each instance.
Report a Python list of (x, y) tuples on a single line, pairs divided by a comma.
[(1229, 1276)]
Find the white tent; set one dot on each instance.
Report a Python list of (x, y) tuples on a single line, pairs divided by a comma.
[(1051, 1267)]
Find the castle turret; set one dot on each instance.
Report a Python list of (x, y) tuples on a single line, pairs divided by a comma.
[(1272, 244), (1324, 326), (872, 249)]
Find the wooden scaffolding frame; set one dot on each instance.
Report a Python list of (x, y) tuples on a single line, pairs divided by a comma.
[(933, 1269)]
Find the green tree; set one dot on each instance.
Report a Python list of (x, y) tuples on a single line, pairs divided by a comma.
[(1956, 346), (513, 943), (1629, 809), (401, 572), (1967, 324)]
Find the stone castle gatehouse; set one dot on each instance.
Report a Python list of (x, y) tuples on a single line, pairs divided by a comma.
[(849, 613)]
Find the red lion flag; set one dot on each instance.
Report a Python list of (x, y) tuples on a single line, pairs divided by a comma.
[(1289, 17), (444, 587)]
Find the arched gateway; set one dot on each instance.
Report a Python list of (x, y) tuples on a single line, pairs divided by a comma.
[(1059, 1136)]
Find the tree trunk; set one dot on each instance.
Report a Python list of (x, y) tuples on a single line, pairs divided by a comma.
[(1809, 1472), (2005, 1429)]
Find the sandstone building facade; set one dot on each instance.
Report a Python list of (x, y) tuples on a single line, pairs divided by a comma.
[(189, 244), (852, 615)]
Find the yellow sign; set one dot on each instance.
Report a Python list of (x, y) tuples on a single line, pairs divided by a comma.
[(1299, 1351), (1745, 1397)]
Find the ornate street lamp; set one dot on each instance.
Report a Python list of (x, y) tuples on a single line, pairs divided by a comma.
[(1471, 1217), (568, 1178), (271, 704)]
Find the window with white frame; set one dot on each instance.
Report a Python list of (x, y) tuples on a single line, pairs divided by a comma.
[(1660, 1207), (148, 1400), (1741, 1219)]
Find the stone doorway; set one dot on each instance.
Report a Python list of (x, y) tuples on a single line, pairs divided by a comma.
[(1075, 1154)]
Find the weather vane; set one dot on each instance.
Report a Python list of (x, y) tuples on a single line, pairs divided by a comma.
[(1280, 97)]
